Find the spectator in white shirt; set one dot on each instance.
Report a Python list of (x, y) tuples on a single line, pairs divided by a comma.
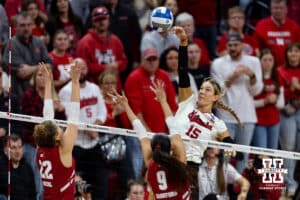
[(87, 152), (240, 77)]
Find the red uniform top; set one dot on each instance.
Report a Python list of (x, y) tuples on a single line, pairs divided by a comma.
[(60, 66), (98, 52), (277, 37), (285, 75), (157, 177), (58, 181), (142, 99), (267, 115), (250, 44)]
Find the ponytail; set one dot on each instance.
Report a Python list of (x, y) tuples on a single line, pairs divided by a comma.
[(177, 170), (220, 175), (221, 105)]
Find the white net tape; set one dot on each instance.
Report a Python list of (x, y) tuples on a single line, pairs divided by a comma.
[(127, 132)]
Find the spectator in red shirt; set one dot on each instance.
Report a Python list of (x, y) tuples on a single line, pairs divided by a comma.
[(141, 98), (289, 76), (124, 24), (116, 117), (61, 59), (101, 49), (294, 10), (236, 22), (13, 7), (267, 104), (186, 21), (277, 31), (32, 7)]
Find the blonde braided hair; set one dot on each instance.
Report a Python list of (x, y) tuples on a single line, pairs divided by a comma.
[(219, 104)]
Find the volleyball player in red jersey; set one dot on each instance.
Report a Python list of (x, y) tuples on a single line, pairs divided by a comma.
[(54, 147), (166, 172)]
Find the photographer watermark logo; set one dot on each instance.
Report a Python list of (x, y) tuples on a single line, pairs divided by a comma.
[(272, 170)]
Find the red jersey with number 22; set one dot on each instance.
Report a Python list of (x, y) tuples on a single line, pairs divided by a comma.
[(58, 181), (157, 177)]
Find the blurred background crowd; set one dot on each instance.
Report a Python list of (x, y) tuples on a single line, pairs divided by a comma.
[(113, 42)]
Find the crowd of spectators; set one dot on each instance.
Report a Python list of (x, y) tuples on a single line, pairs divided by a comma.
[(250, 47)]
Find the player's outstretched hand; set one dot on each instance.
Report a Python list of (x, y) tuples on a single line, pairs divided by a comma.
[(48, 76), (158, 89), (119, 99), (181, 34), (75, 71)]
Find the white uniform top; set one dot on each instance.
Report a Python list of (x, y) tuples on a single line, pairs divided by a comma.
[(192, 123), (207, 179), (92, 107)]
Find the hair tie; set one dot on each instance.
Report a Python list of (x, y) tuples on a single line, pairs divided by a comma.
[(157, 147)]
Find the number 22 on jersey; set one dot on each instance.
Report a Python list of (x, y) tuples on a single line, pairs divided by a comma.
[(45, 170)]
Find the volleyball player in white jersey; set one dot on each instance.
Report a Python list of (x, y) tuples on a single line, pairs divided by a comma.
[(194, 117)]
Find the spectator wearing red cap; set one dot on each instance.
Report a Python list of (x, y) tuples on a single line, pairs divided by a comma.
[(124, 23), (101, 49), (141, 99)]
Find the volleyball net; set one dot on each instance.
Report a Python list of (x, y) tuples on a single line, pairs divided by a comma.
[(132, 133)]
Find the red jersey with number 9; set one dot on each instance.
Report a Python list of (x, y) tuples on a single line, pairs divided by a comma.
[(58, 181), (157, 177)]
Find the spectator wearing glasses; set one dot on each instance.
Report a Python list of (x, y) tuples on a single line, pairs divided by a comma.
[(236, 22)]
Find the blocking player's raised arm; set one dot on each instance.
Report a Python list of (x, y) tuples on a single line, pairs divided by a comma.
[(70, 135), (137, 125), (48, 109)]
